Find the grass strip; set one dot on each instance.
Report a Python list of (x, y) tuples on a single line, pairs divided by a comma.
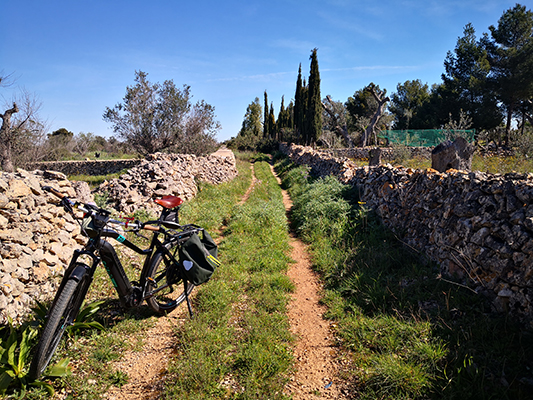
[(409, 333), (238, 344)]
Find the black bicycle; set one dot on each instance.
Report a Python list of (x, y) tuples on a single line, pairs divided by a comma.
[(159, 282)]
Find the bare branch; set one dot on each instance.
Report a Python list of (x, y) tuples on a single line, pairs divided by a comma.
[(339, 122), (371, 128)]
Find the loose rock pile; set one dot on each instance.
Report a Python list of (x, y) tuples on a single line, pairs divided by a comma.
[(166, 174), (477, 226), (36, 238)]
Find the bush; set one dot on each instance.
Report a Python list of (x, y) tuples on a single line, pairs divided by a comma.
[(320, 210)]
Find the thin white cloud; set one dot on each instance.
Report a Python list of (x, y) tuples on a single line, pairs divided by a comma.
[(350, 25), (298, 46), (255, 78), (374, 68)]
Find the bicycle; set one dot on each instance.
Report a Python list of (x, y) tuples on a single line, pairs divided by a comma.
[(160, 273)]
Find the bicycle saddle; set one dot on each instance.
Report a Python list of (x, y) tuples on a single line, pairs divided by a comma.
[(169, 201)]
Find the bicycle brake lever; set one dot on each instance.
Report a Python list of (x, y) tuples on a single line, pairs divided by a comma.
[(139, 235), (66, 205), (137, 229)]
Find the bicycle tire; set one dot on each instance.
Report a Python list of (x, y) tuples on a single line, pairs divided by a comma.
[(61, 315), (167, 299)]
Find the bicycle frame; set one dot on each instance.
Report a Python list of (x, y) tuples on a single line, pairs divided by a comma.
[(129, 295), (160, 272)]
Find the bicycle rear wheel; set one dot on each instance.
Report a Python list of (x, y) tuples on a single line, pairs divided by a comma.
[(165, 297), (61, 316)]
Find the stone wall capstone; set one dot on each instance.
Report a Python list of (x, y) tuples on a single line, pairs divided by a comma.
[(477, 226)]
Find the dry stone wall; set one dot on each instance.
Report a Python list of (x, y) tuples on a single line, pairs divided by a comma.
[(91, 167), (477, 226), (387, 153), (166, 174), (37, 238)]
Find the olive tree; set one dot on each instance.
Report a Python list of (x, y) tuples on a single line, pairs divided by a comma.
[(161, 117), (22, 131)]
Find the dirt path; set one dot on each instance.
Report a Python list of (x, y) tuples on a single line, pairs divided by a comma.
[(146, 369), (316, 369)]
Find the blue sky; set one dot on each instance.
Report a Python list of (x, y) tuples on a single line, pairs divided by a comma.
[(78, 57)]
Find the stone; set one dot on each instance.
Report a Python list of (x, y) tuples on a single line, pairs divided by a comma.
[(21, 274), (4, 222), (452, 155), (7, 284), (38, 255), (41, 272), (50, 259), (18, 188), (3, 301), (9, 266), (25, 262), (374, 157)]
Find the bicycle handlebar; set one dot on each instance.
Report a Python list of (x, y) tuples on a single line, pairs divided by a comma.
[(53, 191), (88, 208)]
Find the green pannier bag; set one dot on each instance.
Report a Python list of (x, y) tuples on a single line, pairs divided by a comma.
[(199, 258)]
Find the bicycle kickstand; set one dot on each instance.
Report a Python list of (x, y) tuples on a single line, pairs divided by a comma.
[(186, 284)]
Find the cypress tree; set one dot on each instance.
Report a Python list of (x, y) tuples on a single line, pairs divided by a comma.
[(305, 101), (265, 118), (298, 104), (313, 117), (290, 115), (281, 116), (272, 123)]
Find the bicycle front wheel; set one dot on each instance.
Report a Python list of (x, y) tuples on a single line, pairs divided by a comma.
[(164, 297), (61, 316)]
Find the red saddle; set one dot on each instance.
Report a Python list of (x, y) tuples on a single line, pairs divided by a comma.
[(169, 201)]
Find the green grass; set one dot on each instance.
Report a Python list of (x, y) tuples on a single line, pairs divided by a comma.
[(238, 344), (409, 334), (96, 180), (502, 165)]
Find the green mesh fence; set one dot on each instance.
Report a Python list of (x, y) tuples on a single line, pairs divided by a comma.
[(425, 137)]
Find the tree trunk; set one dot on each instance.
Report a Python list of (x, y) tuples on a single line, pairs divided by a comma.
[(340, 126), (5, 155), (508, 125), (370, 129), (6, 138)]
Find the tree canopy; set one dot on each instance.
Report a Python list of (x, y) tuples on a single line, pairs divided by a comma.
[(510, 53), (485, 82), (158, 117), (313, 116), (407, 104), (22, 131)]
